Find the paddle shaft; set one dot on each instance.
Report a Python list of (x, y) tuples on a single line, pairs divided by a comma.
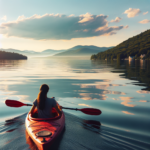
[(29, 105), (62, 107), (70, 108)]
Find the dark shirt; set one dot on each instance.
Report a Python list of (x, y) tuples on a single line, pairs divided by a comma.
[(47, 111)]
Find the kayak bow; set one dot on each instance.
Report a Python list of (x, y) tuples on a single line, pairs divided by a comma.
[(44, 131)]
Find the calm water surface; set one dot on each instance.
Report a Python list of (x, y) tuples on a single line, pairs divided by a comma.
[(119, 89)]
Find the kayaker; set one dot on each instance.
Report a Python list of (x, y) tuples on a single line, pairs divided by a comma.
[(44, 104)]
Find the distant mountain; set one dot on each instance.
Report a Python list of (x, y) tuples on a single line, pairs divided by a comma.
[(30, 53), (53, 52), (78, 50), (82, 51), (135, 46), (82, 46)]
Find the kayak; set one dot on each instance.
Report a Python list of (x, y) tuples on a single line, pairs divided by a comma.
[(44, 131)]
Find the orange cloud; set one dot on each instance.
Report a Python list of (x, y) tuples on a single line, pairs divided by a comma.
[(145, 21), (145, 13), (116, 20), (85, 18), (132, 12), (4, 18), (125, 27)]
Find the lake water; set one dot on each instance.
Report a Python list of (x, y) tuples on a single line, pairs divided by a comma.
[(121, 90)]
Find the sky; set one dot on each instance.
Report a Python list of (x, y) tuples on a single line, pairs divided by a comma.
[(61, 24)]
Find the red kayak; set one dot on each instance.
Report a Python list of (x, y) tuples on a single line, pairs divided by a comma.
[(44, 131)]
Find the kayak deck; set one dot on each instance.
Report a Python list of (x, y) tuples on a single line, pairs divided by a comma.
[(44, 131)]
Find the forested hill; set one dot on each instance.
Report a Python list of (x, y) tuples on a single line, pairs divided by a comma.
[(135, 46), (9, 55)]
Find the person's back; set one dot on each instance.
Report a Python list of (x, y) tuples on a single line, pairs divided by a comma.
[(44, 104), (46, 112)]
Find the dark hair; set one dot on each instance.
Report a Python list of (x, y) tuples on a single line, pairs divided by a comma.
[(41, 98)]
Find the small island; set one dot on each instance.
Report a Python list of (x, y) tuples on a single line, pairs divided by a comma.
[(137, 47), (11, 56)]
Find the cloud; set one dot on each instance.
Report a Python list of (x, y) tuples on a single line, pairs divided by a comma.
[(116, 20), (21, 18), (57, 26), (71, 15), (144, 21), (145, 13), (125, 27), (132, 12), (4, 18), (85, 18)]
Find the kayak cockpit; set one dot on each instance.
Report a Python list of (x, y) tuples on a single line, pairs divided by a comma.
[(34, 116)]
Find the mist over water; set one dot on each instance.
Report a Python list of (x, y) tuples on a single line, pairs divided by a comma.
[(119, 89)]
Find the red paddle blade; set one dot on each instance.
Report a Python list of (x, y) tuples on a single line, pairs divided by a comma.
[(91, 111), (14, 103)]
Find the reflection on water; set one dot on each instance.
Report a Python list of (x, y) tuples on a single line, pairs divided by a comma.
[(92, 125), (142, 64), (138, 70), (143, 92), (143, 101), (126, 112), (84, 105), (119, 89), (11, 64), (126, 101), (30, 142), (12, 124)]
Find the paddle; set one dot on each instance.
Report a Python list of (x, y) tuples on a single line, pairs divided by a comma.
[(89, 111), (14, 103)]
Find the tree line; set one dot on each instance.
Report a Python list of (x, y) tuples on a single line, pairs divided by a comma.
[(135, 46), (11, 55)]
